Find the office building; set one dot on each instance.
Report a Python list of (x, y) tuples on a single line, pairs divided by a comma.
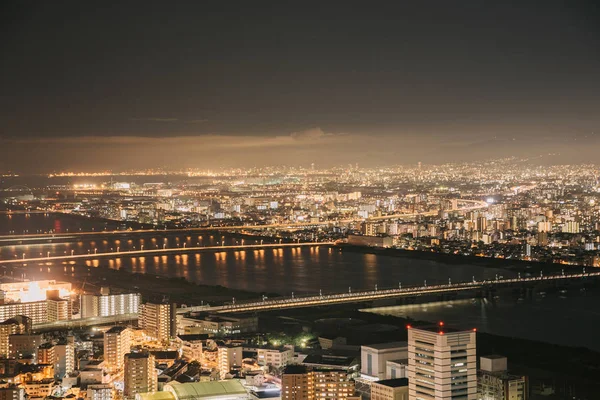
[(301, 383), (442, 363), (226, 325), (117, 343), (158, 321), (390, 389), (495, 383), (374, 358), (140, 375)]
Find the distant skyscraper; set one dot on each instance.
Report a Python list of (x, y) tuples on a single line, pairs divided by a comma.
[(140, 374), (442, 364)]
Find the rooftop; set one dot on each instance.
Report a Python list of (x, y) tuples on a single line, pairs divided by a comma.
[(398, 382), (387, 346)]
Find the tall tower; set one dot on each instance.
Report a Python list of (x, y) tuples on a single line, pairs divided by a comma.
[(442, 363)]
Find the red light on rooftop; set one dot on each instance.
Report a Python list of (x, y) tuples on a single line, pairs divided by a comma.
[(408, 326), (441, 323), (441, 332), (474, 329)]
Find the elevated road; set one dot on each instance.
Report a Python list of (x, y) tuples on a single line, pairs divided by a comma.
[(357, 297), (149, 252)]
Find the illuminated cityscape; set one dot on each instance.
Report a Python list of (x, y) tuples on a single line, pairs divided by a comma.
[(281, 201)]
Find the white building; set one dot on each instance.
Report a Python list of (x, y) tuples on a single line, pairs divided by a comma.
[(229, 357), (99, 392), (64, 358), (374, 358), (277, 358), (395, 369), (442, 364), (109, 304), (191, 346)]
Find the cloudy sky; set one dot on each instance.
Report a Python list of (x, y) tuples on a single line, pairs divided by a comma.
[(118, 85)]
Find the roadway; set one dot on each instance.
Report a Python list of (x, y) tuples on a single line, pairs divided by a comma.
[(148, 252)]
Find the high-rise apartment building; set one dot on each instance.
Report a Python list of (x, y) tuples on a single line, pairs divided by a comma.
[(140, 374), (13, 326), (300, 383), (495, 383), (64, 358), (117, 343), (109, 304), (228, 358), (442, 363), (158, 321)]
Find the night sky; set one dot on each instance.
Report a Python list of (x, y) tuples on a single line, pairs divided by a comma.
[(92, 85)]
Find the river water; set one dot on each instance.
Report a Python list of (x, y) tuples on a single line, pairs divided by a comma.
[(562, 319)]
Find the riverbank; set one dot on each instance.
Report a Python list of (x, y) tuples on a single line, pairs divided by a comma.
[(454, 259)]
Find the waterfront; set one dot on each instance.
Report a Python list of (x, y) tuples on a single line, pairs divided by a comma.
[(561, 318), (308, 270)]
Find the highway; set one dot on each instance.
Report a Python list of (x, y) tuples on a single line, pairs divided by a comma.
[(176, 250), (356, 297)]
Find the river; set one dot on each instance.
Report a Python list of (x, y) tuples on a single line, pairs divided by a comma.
[(563, 319)]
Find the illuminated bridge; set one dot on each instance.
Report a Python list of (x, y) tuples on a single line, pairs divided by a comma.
[(142, 253), (365, 296)]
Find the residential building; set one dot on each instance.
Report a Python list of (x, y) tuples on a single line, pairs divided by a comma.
[(495, 383), (12, 393), (99, 392), (158, 321), (301, 383), (117, 343), (276, 358), (390, 389), (12, 326), (24, 345), (107, 304), (229, 356), (140, 374), (64, 358)]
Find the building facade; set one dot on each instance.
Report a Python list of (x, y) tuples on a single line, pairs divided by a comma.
[(442, 364)]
